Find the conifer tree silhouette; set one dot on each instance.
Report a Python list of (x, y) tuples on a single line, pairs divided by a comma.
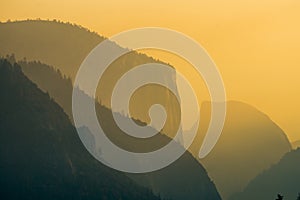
[(298, 198), (279, 197)]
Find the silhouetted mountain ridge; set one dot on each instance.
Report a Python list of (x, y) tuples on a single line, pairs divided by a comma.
[(65, 46), (186, 174), (241, 119), (41, 154)]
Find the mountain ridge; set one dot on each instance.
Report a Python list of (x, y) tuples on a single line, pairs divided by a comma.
[(41, 154), (196, 185), (30, 68), (65, 46)]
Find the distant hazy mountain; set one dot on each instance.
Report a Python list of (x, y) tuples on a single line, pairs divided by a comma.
[(250, 143), (296, 144), (283, 178), (185, 178), (65, 46), (41, 156)]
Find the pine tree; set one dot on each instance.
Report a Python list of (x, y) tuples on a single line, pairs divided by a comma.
[(279, 197), (298, 198)]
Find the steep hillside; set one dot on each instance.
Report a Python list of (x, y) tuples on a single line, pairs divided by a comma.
[(283, 178), (52, 81), (65, 46), (41, 155), (250, 143), (185, 178)]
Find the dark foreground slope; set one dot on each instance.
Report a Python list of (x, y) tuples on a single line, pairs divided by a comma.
[(185, 178), (283, 178), (41, 155)]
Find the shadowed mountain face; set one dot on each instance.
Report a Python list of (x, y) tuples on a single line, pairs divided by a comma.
[(282, 178), (41, 155), (185, 178), (65, 46), (250, 143)]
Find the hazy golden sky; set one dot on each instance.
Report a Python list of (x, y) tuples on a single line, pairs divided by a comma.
[(255, 43)]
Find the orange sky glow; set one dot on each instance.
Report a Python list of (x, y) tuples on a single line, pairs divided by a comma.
[(255, 44)]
